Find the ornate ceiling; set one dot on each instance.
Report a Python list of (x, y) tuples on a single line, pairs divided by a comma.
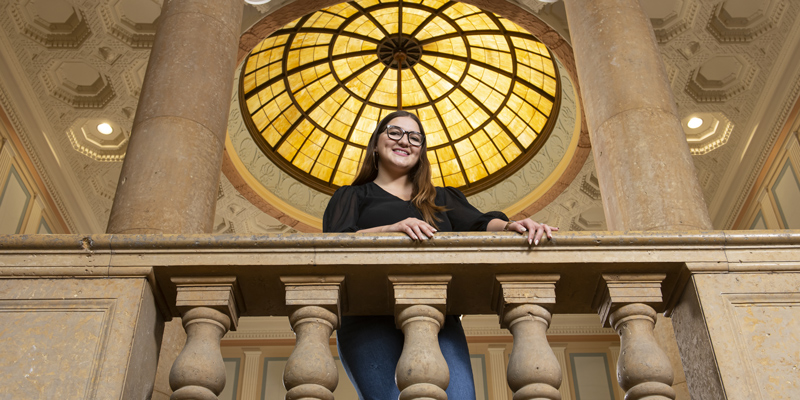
[(68, 64), (484, 89)]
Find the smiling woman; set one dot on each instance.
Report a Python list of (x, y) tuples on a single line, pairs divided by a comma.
[(487, 90), (394, 192)]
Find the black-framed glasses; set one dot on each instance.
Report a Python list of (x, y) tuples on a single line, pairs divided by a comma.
[(396, 133)]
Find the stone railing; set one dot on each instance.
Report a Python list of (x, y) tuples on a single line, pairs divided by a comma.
[(210, 281)]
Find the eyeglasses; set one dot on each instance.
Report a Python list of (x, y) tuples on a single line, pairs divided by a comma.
[(396, 133)]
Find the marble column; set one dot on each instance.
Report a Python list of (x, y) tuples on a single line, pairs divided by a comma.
[(643, 163), (170, 176)]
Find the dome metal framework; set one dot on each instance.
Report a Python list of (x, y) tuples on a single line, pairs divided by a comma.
[(486, 91)]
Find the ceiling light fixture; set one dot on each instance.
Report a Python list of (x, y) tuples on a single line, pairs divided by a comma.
[(695, 123), (105, 128), (256, 2)]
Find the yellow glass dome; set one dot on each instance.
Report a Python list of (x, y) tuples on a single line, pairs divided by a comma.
[(485, 90)]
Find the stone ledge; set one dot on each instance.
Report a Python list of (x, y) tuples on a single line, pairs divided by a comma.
[(366, 261)]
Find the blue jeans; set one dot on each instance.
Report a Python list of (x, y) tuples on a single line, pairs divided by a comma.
[(370, 346)]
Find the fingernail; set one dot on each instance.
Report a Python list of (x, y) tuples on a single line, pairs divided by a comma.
[(535, 242), (524, 229), (415, 237), (529, 241)]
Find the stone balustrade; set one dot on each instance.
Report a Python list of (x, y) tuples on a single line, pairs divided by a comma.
[(314, 279)]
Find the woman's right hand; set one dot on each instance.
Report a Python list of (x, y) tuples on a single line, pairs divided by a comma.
[(415, 228)]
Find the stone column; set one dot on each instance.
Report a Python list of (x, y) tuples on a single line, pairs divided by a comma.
[(170, 176), (643, 163), (209, 307), (625, 302), (523, 303), (420, 306), (314, 301)]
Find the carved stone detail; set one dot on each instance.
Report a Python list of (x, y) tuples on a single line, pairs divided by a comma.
[(624, 302), (721, 78), (132, 21), (420, 304), (89, 141), (670, 18), (78, 84), (199, 371), (311, 372), (209, 307), (54, 24), (744, 20), (643, 369), (712, 134), (522, 301)]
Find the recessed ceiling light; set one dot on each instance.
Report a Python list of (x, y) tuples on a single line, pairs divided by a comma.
[(105, 128), (256, 2), (695, 123)]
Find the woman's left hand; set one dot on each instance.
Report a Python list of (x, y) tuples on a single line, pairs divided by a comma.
[(535, 230)]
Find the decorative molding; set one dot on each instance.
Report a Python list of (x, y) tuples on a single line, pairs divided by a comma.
[(676, 21), (70, 32), (740, 28), (497, 366), (58, 82), (11, 112), (762, 158), (706, 87), (65, 307), (135, 32)]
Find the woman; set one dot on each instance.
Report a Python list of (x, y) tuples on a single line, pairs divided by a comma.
[(393, 192)]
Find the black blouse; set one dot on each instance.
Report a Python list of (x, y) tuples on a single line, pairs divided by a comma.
[(353, 208)]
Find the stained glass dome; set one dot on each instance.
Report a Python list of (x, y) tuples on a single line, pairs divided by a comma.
[(485, 90)]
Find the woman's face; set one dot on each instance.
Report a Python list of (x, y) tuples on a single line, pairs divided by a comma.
[(398, 155)]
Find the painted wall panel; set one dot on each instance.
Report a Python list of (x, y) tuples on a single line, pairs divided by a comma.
[(13, 203), (786, 191), (591, 377)]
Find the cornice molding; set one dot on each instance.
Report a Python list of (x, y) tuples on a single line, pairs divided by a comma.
[(777, 127), (23, 136)]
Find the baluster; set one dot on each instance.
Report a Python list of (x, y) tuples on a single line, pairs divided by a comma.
[(314, 303), (523, 303), (420, 305), (625, 303), (209, 307)]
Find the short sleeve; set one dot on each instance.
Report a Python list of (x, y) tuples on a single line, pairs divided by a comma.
[(463, 216), (341, 215)]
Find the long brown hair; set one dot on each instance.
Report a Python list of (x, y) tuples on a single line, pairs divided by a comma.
[(423, 195)]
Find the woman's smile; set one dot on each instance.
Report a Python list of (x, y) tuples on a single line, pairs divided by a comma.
[(398, 155)]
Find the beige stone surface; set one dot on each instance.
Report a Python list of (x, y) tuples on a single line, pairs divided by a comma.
[(634, 127), (665, 336), (173, 341), (170, 176), (77, 338), (752, 323)]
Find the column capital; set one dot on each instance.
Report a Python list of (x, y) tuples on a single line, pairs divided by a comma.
[(514, 290), (617, 290), (414, 290), (318, 291), (220, 293)]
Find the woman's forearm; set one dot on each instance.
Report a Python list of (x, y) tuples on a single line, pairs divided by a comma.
[(377, 229), (496, 225)]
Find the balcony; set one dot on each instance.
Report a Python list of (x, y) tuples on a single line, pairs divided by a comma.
[(98, 303)]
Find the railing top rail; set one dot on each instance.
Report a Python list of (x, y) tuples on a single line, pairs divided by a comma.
[(100, 242)]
